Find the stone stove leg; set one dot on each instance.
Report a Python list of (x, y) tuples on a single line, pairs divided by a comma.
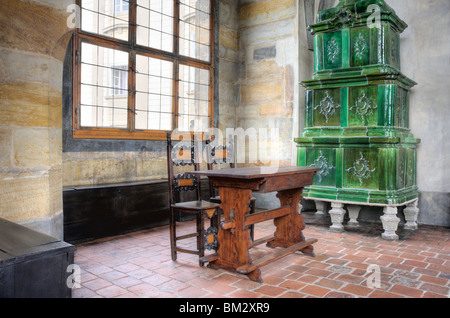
[(320, 207), (411, 212), (337, 213), (390, 223), (353, 212)]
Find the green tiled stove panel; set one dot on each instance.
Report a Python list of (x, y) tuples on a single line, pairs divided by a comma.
[(345, 40), (377, 174), (357, 47), (357, 111)]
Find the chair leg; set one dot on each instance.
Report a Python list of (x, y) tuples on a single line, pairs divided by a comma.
[(215, 223), (252, 227), (173, 235), (215, 220), (200, 237)]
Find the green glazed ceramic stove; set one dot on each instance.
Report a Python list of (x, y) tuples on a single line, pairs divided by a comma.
[(357, 116)]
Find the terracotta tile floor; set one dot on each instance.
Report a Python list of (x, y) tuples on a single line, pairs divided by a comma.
[(139, 265)]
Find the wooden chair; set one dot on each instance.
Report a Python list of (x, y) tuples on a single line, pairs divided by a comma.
[(182, 155), (224, 154)]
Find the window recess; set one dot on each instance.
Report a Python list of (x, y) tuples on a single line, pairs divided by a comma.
[(142, 68)]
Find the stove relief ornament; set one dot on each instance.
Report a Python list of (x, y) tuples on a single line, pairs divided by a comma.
[(327, 106), (401, 172), (344, 18), (325, 168), (410, 172), (364, 107), (361, 169), (361, 47), (332, 50)]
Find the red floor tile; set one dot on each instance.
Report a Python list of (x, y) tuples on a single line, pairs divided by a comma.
[(139, 265), (315, 290), (269, 290)]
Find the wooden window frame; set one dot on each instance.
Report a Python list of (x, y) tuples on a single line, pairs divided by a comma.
[(132, 48)]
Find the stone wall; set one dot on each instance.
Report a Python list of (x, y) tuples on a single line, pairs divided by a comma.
[(273, 59), (228, 66), (425, 51), (268, 74), (33, 40)]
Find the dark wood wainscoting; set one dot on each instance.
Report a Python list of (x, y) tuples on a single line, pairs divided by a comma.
[(101, 211)]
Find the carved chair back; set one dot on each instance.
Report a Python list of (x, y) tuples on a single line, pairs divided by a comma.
[(179, 155), (221, 155)]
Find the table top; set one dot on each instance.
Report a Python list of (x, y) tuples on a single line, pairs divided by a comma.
[(256, 172)]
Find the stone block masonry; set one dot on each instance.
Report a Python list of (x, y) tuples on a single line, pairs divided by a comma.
[(268, 59), (32, 44)]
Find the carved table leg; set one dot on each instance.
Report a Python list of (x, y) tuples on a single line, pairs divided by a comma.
[(411, 212), (255, 276), (289, 228), (233, 243), (390, 223), (337, 213), (353, 212)]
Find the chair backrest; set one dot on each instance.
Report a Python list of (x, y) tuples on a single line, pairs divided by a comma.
[(219, 154), (183, 153)]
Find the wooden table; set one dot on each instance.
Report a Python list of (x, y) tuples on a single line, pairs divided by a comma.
[(235, 189)]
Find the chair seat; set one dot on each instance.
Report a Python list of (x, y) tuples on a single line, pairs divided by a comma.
[(196, 205), (216, 199)]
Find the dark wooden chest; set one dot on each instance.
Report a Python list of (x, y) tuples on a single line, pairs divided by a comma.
[(32, 264)]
